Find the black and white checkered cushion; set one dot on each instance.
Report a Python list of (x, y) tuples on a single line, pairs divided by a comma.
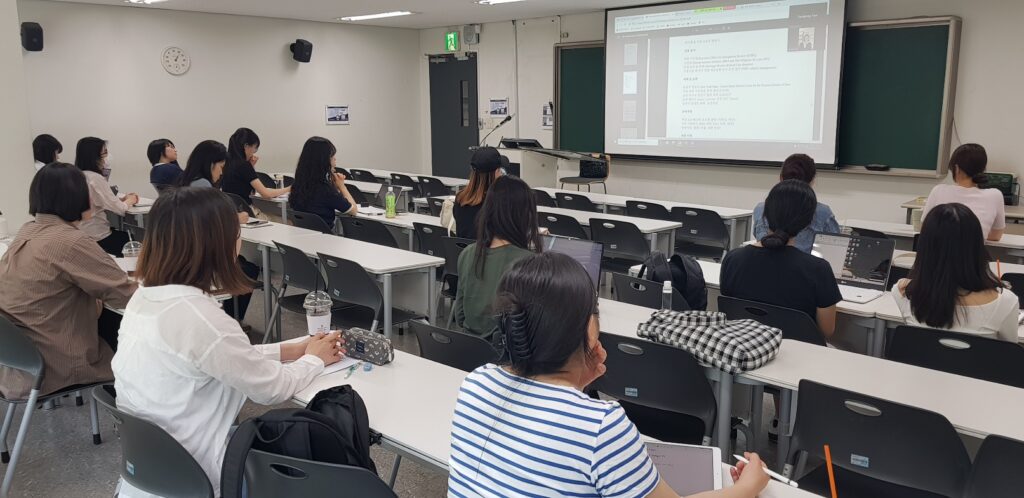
[(732, 346)]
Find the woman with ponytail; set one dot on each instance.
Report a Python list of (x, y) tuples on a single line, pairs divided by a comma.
[(525, 427), (967, 166), (773, 271)]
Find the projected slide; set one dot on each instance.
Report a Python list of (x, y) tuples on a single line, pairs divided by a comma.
[(745, 81)]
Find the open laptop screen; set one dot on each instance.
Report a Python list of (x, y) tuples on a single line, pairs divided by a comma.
[(856, 261), (586, 252)]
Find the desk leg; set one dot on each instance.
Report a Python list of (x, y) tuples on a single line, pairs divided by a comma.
[(724, 425), (284, 212), (604, 208), (412, 240), (878, 341), (910, 216), (653, 238), (428, 275), (388, 303), (267, 289), (140, 220), (785, 422)]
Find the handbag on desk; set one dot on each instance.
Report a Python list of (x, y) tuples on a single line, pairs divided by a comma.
[(733, 346)]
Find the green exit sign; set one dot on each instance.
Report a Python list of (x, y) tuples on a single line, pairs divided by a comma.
[(451, 41)]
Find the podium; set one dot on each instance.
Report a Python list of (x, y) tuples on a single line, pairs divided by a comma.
[(539, 167)]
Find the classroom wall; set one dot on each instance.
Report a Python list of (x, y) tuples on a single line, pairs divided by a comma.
[(988, 104), (100, 74), (15, 141)]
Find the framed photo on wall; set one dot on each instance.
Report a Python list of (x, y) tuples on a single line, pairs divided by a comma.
[(337, 115)]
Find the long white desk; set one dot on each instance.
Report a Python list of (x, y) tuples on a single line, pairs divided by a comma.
[(281, 201), (905, 231), (452, 183), (404, 222), (660, 233), (740, 221)]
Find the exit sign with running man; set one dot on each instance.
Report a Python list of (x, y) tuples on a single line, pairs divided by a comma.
[(451, 41)]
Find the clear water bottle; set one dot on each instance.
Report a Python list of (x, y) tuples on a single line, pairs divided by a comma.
[(666, 295), (318, 312), (390, 203)]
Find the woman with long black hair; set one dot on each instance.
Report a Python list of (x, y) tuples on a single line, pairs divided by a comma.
[(240, 171), (318, 189)]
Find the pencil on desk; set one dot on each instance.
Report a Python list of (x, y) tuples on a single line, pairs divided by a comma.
[(999, 269), (831, 473)]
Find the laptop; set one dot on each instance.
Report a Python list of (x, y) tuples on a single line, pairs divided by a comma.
[(860, 264), (401, 198), (588, 253)]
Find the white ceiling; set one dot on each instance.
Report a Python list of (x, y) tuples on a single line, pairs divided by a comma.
[(431, 13)]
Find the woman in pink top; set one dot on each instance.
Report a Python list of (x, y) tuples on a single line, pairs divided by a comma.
[(967, 165)]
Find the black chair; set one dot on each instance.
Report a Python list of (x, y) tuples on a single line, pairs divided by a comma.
[(663, 389), (895, 275), (308, 221), (996, 469), (339, 169), (646, 293), (544, 199), (151, 459), (560, 224), (266, 180), (453, 247), (703, 234), (18, 352), (361, 175), (300, 272), (287, 180), (577, 202), (272, 476), (400, 180), (864, 232), (458, 350), (430, 241), (1016, 281), (432, 187), (367, 230), (958, 353), (624, 244), (435, 204), (136, 233), (349, 283), (240, 204), (794, 324), (879, 449), (649, 210), (357, 195), (591, 172)]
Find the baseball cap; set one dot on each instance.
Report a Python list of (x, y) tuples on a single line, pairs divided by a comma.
[(487, 159)]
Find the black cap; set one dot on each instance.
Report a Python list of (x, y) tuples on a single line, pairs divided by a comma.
[(487, 159)]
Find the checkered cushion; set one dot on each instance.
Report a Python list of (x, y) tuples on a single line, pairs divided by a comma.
[(732, 346)]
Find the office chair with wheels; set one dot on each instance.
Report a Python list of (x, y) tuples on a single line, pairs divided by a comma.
[(272, 476), (577, 202), (458, 350), (367, 230), (957, 353), (348, 282), (560, 224), (794, 324), (703, 235), (151, 459)]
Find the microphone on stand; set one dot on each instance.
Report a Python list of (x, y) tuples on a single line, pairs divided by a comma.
[(502, 123)]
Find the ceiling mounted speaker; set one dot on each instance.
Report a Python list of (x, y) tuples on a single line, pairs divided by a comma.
[(32, 36), (302, 50)]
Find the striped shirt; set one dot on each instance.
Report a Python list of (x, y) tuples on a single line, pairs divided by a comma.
[(512, 436)]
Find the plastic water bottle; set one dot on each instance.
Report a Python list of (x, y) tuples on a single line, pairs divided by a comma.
[(318, 312), (666, 295), (390, 203), (131, 251)]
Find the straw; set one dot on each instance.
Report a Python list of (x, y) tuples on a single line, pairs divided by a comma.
[(831, 473)]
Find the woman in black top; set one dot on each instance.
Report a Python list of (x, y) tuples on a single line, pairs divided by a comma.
[(240, 173), (318, 189), (486, 166), (774, 271)]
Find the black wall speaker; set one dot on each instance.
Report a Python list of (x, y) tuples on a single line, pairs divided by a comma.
[(302, 50), (32, 36)]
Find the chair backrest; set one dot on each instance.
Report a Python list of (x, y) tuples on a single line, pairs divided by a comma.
[(308, 221), (17, 351), (367, 230), (700, 226), (544, 199), (432, 187), (349, 282), (794, 324), (646, 293), (357, 195), (575, 201), (266, 180), (435, 204), (287, 180), (650, 210), (151, 459), (430, 239), (864, 232), (620, 239), (880, 439), (240, 204), (453, 247), (401, 180), (361, 175), (558, 224), (996, 470), (1016, 281), (958, 353), (656, 376), (270, 476), (455, 349), (339, 169), (299, 270)]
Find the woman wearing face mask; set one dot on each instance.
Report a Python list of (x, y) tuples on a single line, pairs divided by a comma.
[(92, 158)]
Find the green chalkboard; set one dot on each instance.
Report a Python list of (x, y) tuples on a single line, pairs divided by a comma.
[(894, 81), (580, 109)]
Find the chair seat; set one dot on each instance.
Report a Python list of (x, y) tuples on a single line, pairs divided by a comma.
[(709, 253), (853, 485), (362, 317), (59, 393), (580, 180)]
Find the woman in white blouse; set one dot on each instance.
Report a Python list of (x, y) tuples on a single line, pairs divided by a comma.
[(92, 158), (967, 166), (182, 362), (951, 285)]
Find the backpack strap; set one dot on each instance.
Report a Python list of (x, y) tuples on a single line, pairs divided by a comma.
[(237, 452)]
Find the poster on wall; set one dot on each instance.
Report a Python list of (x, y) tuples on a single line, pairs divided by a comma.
[(337, 114), (499, 108), (547, 120)]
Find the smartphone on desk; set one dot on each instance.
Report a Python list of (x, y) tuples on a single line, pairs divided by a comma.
[(255, 224)]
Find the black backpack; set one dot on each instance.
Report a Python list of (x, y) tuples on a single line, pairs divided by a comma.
[(685, 274), (334, 428)]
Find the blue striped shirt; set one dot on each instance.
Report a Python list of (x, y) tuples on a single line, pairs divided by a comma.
[(513, 436)]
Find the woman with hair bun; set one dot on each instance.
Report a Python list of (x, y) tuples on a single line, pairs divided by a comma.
[(773, 271), (967, 166)]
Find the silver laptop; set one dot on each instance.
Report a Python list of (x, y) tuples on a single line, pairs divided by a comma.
[(860, 264), (586, 252)]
